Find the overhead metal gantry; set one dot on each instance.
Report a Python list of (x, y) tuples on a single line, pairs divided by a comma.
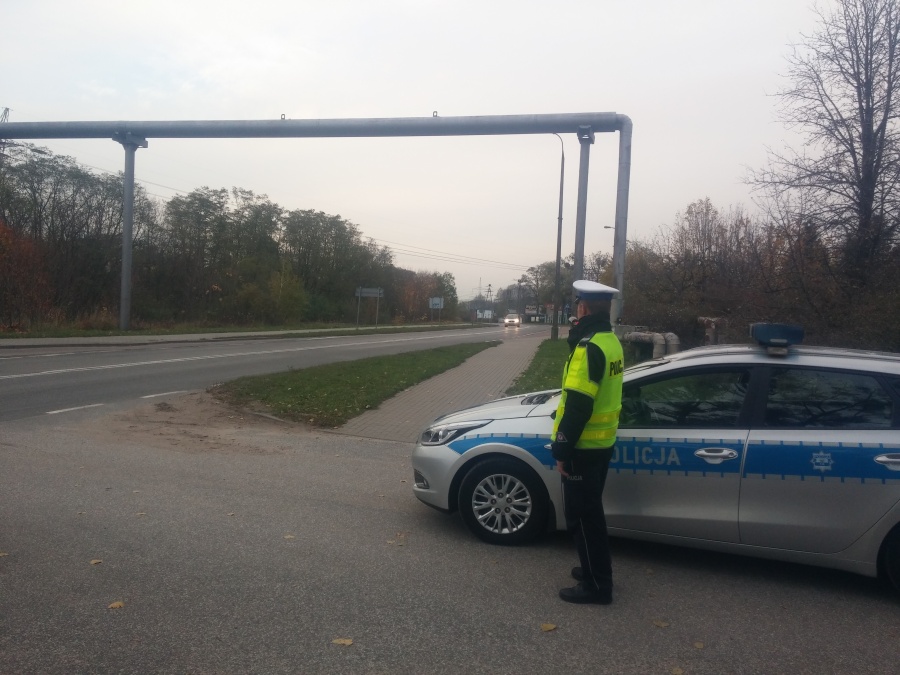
[(134, 135)]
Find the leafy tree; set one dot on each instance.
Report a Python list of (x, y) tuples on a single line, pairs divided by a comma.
[(289, 300), (24, 289), (537, 283), (414, 289), (76, 217), (201, 258), (330, 257)]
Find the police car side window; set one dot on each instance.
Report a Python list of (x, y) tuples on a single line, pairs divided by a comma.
[(809, 398), (697, 399), (894, 383)]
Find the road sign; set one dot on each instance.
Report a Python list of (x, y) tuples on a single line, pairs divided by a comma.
[(369, 292), (435, 303)]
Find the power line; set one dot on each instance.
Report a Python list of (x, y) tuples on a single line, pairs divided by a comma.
[(448, 257), (453, 257)]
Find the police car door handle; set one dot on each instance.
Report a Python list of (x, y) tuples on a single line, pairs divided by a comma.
[(715, 455), (891, 461)]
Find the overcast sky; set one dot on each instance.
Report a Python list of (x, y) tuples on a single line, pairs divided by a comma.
[(695, 76)]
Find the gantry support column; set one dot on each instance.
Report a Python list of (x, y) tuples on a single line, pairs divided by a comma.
[(586, 138), (131, 143)]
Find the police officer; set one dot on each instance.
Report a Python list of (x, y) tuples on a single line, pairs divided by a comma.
[(584, 433)]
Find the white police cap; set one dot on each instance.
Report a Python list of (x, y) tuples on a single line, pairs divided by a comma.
[(591, 290)]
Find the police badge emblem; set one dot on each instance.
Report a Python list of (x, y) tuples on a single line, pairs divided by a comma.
[(822, 461)]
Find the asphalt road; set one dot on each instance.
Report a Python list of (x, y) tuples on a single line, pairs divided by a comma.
[(40, 380), (254, 556)]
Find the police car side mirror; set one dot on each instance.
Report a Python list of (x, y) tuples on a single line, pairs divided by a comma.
[(553, 415)]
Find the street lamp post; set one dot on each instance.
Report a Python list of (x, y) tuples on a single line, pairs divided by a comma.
[(557, 300)]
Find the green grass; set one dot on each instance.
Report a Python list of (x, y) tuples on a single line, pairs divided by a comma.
[(545, 369), (330, 395)]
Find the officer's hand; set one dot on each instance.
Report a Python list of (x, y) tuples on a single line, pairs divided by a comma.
[(561, 467)]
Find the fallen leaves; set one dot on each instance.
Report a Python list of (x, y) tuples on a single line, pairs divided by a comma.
[(399, 539), (96, 561), (346, 642), (547, 627), (660, 624), (3, 554), (289, 536), (118, 604), (698, 645)]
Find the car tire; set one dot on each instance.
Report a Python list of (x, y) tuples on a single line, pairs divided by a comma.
[(503, 501), (890, 558)]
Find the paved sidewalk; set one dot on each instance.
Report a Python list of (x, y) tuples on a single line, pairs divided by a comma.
[(483, 377)]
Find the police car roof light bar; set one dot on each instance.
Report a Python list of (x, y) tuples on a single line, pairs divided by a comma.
[(776, 337)]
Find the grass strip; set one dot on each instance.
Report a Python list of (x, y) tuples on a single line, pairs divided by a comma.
[(330, 395), (545, 369)]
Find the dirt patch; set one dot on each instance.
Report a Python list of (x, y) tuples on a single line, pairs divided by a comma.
[(199, 422)]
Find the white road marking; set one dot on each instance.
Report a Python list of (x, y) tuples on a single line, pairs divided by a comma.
[(34, 356), (168, 393), (81, 407), (228, 356)]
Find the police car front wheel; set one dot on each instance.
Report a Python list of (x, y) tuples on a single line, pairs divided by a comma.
[(503, 501)]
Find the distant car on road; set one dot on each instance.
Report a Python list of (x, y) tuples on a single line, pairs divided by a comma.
[(512, 320), (771, 450)]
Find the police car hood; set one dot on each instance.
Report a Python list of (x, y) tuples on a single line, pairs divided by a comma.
[(524, 405)]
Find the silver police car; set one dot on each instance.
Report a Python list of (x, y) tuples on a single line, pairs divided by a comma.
[(774, 450)]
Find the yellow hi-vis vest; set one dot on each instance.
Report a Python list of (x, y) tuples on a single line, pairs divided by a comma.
[(600, 430)]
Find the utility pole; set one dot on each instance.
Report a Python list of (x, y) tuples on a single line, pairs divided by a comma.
[(4, 117)]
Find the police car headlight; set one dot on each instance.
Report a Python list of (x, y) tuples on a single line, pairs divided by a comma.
[(444, 433)]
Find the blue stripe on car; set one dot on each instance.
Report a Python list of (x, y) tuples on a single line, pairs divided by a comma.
[(635, 454), (765, 459), (530, 443), (818, 461)]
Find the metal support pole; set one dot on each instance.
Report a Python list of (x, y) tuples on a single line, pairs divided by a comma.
[(586, 138), (619, 244), (557, 298), (131, 144)]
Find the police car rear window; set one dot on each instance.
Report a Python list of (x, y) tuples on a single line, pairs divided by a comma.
[(809, 398)]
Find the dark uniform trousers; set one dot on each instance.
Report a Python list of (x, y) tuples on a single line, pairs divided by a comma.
[(585, 519)]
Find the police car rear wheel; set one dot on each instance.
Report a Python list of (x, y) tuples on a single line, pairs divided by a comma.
[(503, 501), (890, 558)]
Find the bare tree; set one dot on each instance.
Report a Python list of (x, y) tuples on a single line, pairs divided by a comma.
[(843, 100)]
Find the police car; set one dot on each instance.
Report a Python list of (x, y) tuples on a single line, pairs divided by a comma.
[(774, 450)]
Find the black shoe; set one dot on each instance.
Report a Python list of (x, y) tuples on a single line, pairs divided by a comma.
[(577, 574), (586, 596)]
